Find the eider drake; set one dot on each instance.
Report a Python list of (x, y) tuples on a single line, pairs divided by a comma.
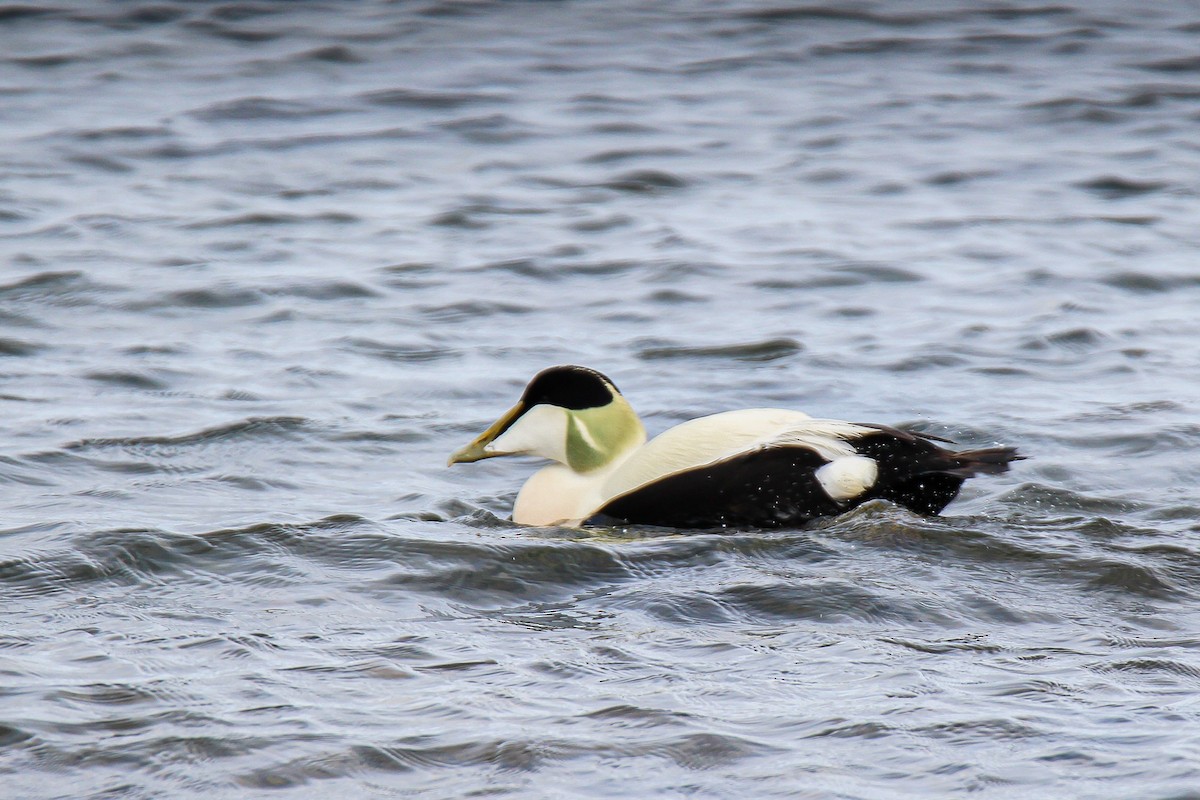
[(761, 467)]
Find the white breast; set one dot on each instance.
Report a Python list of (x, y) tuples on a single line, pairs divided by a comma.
[(557, 495)]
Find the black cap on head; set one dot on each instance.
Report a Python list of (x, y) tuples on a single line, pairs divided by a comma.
[(569, 387)]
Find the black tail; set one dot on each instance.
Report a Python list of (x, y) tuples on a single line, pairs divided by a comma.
[(990, 461), (922, 476)]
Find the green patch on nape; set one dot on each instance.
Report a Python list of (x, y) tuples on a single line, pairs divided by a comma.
[(597, 435)]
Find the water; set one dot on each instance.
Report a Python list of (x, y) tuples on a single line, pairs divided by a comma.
[(264, 265)]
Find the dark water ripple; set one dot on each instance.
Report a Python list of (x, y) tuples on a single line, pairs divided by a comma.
[(264, 265)]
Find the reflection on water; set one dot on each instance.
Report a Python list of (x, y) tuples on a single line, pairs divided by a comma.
[(265, 265)]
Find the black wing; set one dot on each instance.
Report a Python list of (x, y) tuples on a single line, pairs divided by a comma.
[(776, 487)]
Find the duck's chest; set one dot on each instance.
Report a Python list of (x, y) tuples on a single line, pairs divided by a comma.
[(557, 495)]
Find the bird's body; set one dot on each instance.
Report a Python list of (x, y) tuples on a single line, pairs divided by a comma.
[(759, 467)]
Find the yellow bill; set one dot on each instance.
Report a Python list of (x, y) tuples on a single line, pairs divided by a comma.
[(477, 449)]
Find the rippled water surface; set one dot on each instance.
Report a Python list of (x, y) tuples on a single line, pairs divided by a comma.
[(263, 265)]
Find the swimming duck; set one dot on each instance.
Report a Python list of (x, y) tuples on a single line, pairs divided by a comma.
[(760, 467)]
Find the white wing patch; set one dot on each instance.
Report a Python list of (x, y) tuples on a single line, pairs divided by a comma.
[(847, 477), (827, 437)]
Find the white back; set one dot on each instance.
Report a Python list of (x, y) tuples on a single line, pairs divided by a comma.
[(714, 438)]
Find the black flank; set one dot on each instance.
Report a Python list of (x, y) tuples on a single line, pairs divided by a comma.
[(763, 489)]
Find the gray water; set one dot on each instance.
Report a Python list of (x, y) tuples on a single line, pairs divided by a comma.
[(263, 265)]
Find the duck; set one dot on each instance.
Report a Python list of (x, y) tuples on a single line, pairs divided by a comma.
[(749, 468)]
